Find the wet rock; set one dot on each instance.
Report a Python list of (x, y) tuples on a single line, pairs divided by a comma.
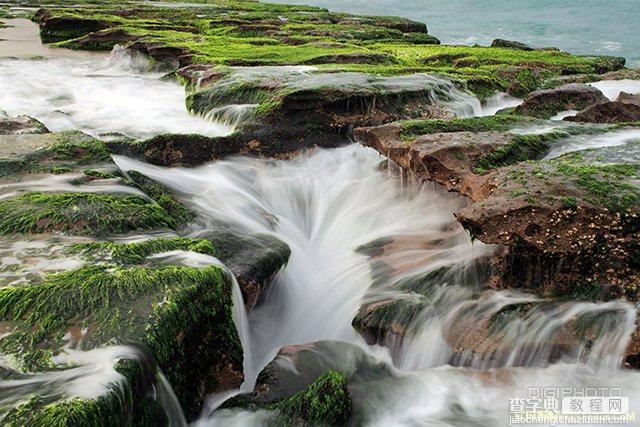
[(178, 149), (568, 223), (103, 40), (166, 58), (162, 196), (609, 112), (546, 103), (457, 160), (390, 319), (99, 304), (21, 125), (56, 29), (26, 154), (297, 369), (294, 112), (510, 44), (353, 58), (629, 98), (520, 80), (254, 261), (620, 74)]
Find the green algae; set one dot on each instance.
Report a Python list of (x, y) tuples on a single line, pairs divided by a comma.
[(62, 152), (161, 195), (324, 402), (137, 252), (521, 148), (608, 185), (183, 315), (243, 33), (90, 214), (414, 128)]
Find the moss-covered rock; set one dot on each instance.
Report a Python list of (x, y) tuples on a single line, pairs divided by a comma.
[(90, 214), (548, 102), (42, 153), (137, 252), (182, 315), (162, 196), (21, 125), (317, 390), (253, 259), (411, 129), (563, 220), (324, 402), (459, 151)]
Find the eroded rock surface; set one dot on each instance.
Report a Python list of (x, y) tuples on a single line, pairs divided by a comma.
[(548, 102)]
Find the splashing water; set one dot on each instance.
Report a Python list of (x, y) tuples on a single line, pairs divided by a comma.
[(89, 374), (333, 207), (357, 232), (97, 94)]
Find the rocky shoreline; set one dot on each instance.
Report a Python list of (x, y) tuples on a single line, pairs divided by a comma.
[(291, 79)]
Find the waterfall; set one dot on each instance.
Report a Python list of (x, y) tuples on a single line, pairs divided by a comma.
[(357, 230)]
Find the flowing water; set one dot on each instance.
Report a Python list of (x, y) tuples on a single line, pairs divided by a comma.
[(360, 232), (92, 92), (323, 206)]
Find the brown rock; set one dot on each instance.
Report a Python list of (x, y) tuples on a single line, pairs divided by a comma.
[(609, 112), (546, 103), (629, 98)]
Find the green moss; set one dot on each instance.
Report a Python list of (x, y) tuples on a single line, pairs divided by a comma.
[(414, 128), (252, 33), (137, 252), (78, 147), (521, 148), (62, 152), (183, 315), (80, 213), (569, 202), (579, 291), (325, 402), (125, 402), (99, 174), (527, 82), (608, 185), (161, 195)]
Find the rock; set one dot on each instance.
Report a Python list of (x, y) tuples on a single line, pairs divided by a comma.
[(457, 160), (387, 321), (57, 29), (510, 44), (546, 103), (298, 370), (353, 58), (608, 64), (254, 261), (609, 112), (568, 222), (21, 125), (103, 40), (179, 150), (550, 214), (629, 98), (100, 304), (296, 112), (520, 80), (165, 58)]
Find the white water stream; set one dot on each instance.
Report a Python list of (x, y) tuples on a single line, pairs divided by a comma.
[(326, 206)]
